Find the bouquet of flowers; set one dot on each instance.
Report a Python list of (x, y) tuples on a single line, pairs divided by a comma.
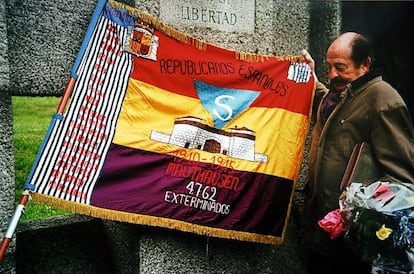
[(377, 222)]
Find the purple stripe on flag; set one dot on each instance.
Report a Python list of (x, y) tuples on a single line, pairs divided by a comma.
[(160, 185)]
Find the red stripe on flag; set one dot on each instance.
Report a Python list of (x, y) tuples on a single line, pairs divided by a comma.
[(179, 64)]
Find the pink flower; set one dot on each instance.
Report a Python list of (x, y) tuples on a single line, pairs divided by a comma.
[(333, 223)]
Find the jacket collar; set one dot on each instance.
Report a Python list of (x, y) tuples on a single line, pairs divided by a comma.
[(354, 87)]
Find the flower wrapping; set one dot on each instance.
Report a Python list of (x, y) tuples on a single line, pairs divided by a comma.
[(377, 223)]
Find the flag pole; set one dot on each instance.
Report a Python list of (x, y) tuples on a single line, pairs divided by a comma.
[(19, 211), (13, 223), (67, 93)]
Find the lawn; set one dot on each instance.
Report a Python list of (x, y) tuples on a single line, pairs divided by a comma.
[(31, 118)]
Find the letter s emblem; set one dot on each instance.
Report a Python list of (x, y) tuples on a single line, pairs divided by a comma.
[(225, 108)]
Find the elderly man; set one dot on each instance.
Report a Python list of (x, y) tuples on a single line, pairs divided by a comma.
[(358, 106)]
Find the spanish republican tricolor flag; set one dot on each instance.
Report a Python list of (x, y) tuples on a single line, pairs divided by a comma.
[(166, 130)]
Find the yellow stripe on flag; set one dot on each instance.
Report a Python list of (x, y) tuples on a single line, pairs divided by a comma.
[(148, 110)]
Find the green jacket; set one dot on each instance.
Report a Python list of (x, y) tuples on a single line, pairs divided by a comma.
[(373, 111)]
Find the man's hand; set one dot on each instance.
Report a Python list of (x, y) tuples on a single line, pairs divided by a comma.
[(310, 61)]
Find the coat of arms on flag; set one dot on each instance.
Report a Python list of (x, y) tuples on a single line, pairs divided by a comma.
[(166, 130)]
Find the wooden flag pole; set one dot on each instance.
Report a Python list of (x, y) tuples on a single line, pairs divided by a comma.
[(13, 224)]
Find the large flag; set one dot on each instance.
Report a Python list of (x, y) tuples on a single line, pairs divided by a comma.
[(166, 130)]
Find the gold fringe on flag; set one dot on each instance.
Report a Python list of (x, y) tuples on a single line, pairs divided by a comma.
[(188, 39), (154, 221), (254, 57), (159, 25)]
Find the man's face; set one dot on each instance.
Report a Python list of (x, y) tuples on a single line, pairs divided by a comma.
[(341, 69)]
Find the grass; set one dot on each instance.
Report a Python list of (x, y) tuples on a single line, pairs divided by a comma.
[(31, 118)]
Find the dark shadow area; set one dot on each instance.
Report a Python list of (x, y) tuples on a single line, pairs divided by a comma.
[(62, 245), (389, 24)]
